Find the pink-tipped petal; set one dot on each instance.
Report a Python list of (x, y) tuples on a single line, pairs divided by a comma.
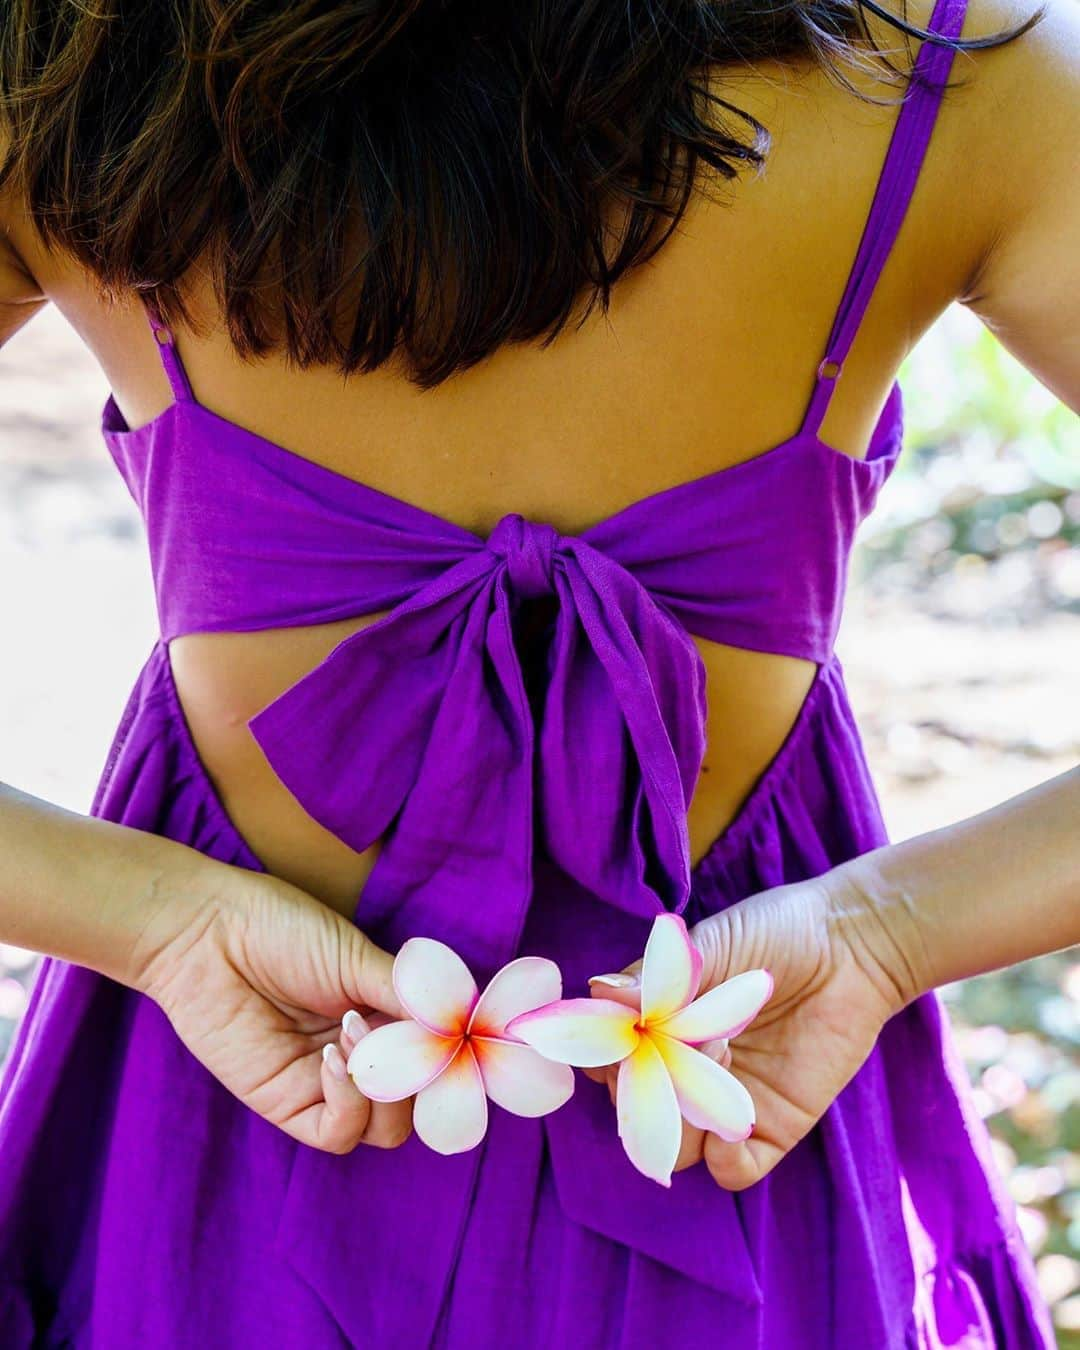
[(587, 1032), (648, 1113), (434, 985), (721, 1012), (399, 1058), (670, 968), (520, 1080), (524, 984), (709, 1096), (450, 1114)]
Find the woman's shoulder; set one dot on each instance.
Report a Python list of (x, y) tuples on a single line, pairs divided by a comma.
[(1000, 188), (1018, 151)]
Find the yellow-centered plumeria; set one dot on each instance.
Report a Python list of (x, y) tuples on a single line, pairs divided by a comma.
[(662, 1077)]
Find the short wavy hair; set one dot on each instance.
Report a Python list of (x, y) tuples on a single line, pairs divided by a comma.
[(439, 171)]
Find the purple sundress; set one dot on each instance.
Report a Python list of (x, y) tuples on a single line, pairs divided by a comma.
[(532, 792)]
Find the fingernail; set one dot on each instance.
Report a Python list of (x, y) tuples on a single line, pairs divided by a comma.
[(332, 1056), (354, 1025), (619, 981)]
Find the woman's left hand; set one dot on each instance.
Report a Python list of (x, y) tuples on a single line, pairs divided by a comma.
[(834, 989), (255, 976)]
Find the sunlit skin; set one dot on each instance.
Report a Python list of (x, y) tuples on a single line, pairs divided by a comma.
[(605, 416), (705, 359)]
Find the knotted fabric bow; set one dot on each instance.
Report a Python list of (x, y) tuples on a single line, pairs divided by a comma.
[(418, 729)]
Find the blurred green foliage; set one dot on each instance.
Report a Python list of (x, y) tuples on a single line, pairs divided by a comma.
[(989, 484), (982, 514)]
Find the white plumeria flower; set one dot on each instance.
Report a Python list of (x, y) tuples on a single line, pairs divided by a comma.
[(662, 1076), (456, 1052)]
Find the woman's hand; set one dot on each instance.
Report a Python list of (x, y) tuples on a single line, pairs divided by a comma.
[(836, 985), (255, 976)]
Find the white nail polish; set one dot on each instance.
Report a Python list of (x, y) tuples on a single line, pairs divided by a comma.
[(354, 1025), (332, 1057)]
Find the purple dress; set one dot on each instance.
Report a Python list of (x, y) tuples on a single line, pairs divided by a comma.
[(532, 794)]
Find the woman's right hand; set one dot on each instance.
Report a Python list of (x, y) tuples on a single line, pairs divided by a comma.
[(836, 981), (255, 976)]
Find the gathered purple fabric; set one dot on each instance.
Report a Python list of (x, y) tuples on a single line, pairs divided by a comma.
[(375, 737), (530, 789)]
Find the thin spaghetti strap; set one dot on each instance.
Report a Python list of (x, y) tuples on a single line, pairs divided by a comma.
[(896, 183), (170, 357)]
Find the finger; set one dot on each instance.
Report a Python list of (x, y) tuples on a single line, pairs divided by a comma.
[(633, 970), (737, 1166), (389, 1123), (354, 1026), (347, 1112), (603, 1073), (367, 972), (623, 986), (719, 1050), (337, 1114), (691, 1150)]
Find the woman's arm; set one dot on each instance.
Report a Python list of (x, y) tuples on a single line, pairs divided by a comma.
[(93, 892), (850, 949), (991, 890), (254, 974), (1005, 885)]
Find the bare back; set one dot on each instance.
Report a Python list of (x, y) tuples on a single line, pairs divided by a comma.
[(707, 358)]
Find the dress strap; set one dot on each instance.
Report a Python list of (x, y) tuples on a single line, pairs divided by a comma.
[(170, 357), (896, 183)]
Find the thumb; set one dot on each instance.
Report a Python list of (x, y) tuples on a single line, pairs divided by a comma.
[(367, 973), (622, 986)]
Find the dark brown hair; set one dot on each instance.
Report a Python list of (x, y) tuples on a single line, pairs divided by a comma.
[(438, 170)]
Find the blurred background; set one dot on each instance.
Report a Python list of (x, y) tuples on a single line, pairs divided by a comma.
[(960, 645)]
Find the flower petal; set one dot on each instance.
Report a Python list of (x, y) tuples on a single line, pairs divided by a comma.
[(650, 1125), (670, 969), (399, 1058), (434, 985), (587, 1032), (450, 1115), (709, 1096), (524, 984), (723, 1011), (520, 1080)]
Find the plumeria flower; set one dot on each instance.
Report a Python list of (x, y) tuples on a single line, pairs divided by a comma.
[(456, 1053), (662, 1077)]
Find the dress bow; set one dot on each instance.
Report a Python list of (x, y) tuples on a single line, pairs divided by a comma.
[(419, 730)]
